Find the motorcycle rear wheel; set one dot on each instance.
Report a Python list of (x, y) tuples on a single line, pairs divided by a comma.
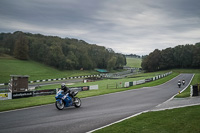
[(60, 106), (77, 102)]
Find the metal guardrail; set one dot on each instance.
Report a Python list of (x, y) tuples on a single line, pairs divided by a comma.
[(57, 79), (128, 84)]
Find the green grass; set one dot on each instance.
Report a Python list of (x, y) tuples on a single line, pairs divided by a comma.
[(182, 120), (36, 71), (133, 62)]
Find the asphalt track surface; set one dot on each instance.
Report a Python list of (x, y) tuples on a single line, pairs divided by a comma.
[(95, 111)]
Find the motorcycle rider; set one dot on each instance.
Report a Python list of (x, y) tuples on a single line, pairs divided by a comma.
[(66, 91), (183, 81), (179, 83)]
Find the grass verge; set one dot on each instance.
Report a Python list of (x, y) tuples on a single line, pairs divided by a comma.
[(182, 120)]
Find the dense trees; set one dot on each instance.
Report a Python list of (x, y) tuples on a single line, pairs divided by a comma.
[(21, 47), (58, 52), (181, 56)]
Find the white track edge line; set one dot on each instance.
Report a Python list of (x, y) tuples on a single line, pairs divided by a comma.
[(118, 121)]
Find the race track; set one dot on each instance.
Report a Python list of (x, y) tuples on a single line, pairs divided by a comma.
[(95, 111)]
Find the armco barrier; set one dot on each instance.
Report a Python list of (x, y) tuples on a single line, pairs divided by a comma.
[(149, 80), (128, 84), (140, 82), (44, 80), (94, 87)]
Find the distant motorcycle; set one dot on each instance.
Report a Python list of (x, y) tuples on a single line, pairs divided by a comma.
[(183, 81), (179, 84), (63, 100)]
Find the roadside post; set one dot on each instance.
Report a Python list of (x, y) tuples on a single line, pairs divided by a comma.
[(194, 90)]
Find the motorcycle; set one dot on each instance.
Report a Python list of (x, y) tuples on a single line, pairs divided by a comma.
[(183, 82), (63, 100), (179, 84)]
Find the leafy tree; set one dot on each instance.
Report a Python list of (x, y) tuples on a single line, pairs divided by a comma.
[(56, 57), (72, 61), (121, 61), (85, 62), (154, 63), (112, 63), (187, 56), (144, 63), (196, 56), (167, 59), (21, 47)]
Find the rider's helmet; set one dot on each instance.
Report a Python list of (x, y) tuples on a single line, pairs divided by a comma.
[(63, 85)]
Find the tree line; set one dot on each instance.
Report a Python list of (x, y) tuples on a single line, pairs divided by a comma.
[(181, 56), (61, 53)]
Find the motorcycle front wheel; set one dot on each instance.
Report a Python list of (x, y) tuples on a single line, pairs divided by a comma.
[(77, 102), (60, 105)]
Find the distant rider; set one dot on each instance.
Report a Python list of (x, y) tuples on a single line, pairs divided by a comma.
[(183, 81), (179, 83)]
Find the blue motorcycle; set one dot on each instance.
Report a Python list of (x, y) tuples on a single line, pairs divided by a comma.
[(63, 100)]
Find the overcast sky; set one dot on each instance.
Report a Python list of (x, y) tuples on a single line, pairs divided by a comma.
[(126, 26)]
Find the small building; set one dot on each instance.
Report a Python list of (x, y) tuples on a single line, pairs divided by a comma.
[(19, 83)]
